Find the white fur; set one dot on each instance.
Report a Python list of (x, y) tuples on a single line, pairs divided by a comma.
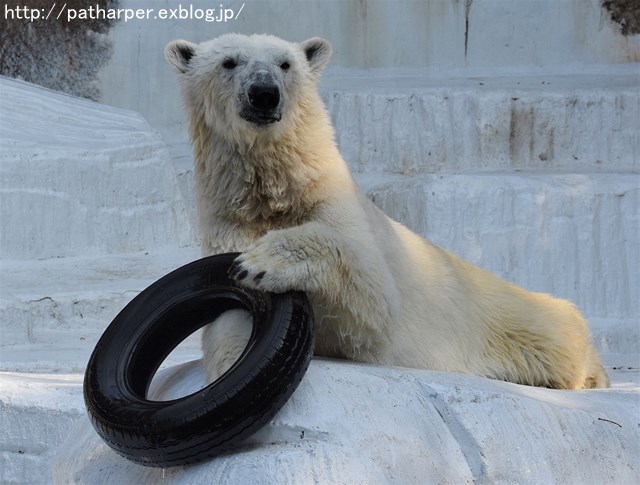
[(282, 194), (226, 338)]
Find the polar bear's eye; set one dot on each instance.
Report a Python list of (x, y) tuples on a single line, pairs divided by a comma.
[(285, 66), (229, 64)]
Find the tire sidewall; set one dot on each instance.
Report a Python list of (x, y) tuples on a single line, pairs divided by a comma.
[(132, 348)]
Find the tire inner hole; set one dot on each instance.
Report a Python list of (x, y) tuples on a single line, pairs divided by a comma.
[(183, 371)]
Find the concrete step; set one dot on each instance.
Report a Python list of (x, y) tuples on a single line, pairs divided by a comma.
[(412, 121), (37, 412), (52, 312), (89, 178)]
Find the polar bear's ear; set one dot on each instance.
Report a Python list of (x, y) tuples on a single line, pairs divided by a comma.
[(318, 52), (178, 53)]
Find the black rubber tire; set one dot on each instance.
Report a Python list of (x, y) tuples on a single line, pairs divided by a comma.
[(217, 418)]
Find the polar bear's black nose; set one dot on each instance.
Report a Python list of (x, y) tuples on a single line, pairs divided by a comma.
[(264, 97)]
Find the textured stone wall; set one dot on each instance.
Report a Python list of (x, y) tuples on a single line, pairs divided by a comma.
[(625, 13), (56, 53)]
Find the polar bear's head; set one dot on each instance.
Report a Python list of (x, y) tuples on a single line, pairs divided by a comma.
[(238, 83)]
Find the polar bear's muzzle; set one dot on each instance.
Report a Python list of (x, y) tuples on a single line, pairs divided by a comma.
[(261, 104)]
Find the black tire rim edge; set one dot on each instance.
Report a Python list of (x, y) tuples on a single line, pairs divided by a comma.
[(257, 306)]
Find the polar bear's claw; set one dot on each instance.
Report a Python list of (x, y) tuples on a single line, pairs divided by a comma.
[(249, 275), (237, 272)]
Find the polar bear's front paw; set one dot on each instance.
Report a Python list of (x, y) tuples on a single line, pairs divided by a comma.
[(270, 266)]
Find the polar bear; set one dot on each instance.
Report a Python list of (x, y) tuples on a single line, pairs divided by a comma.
[(271, 184)]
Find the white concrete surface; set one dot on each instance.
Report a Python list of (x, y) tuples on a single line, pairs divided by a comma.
[(350, 423), (54, 311), (411, 121), (102, 170), (575, 235), (37, 413)]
